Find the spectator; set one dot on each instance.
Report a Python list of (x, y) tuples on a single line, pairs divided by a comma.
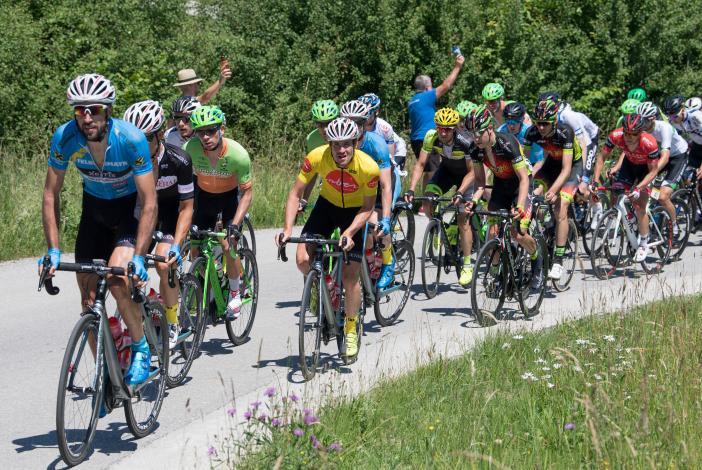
[(189, 83)]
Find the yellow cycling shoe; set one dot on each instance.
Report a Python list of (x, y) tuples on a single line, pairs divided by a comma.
[(466, 276), (351, 337)]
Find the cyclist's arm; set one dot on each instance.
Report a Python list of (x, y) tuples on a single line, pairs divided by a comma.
[(468, 178), (51, 209), (615, 168), (147, 221), (479, 172), (664, 159), (245, 198), (386, 188), (309, 188), (653, 167), (185, 220), (212, 90), (451, 78), (599, 164), (523, 175), (418, 169), (292, 205)]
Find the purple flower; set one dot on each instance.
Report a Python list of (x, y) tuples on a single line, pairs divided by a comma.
[(335, 446), (231, 411), (306, 411), (270, 391), (248, 414), (569, 426), (211, 451), (255, 405), (263, 417), (310, 419), (294, 398), (276, 423), (284, 399), (298, 432), (314, 441)]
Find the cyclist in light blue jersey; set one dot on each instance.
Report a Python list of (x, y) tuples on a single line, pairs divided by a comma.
[(513, 114)]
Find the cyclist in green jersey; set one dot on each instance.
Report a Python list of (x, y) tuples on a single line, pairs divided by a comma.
[(223, 170), (323, 112)]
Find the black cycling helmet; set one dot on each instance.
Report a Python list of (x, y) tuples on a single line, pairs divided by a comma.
[(546, 110), (514, 111), (549, 95), (673, 104), (478, 119)]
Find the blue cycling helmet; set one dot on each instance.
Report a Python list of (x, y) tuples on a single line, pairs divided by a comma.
[(372, 100)]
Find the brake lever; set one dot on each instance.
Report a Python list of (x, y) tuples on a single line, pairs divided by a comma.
[(281, 250), (136, 294), (171, 272)]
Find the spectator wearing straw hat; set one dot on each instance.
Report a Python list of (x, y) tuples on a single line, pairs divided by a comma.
[(189, 83)]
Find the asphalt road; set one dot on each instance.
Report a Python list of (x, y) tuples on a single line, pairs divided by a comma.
[(36, 328)]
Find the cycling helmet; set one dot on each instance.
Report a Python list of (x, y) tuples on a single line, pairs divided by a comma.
[(464, 108), (207, 116), (478, 119), (324, 111), (634, 123), (90, 88), (446, 117), (342, 129), (637, 94), (355, 109), (647, 110), (514, 111), (493, 91), (185, 105), (629, 106), (146, 115), (693, 104), (546, 110), (549, 95), (673, 104), (372, 100)]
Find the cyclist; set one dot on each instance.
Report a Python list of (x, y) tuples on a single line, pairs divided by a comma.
[(463, 108), (673, 158), (694, 103), (173, 171), (396, 144), (689, 123), (453, 149), (502, 154), (638, 94), (628, 107), (346, 199), (636, 167), (558, 176), (494, 96), (224, 186), (181, 110), (514, 114), (323, 112), (113, 158), (374, 146)]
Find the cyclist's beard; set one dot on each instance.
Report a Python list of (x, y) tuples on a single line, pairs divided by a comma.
[(99, 136)]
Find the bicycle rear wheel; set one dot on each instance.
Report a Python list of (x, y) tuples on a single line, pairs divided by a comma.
[(683, 218), (487, 290), (660, 241), (570, 258), (310, 330), (390, 302), (143, 408), (239, 329), (587, 229), (192, 323), (530, 298), (80, 392), (608, 246), (433, 255)]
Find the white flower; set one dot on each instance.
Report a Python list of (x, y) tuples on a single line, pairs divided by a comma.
[(546, 377), (529, 376), (609, 338), (598, 377), (540, 361), (582, 342), (550, 385), (517, 337), (651, 376), (545, 369), (588, 384), (577, 369), (557, 365), (537, 350), (592, 350), (506, 346)]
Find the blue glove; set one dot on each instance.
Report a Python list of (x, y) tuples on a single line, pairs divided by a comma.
[(54, 255), (385, 225), (139, 268), (175, 249)]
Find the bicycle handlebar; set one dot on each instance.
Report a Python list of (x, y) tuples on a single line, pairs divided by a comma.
[(171, 268), (96, 267), (334, 244)]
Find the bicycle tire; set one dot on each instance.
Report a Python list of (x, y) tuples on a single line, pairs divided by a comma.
[(586, 233), (684, 222), (249, 292), (155, 389), (531, 303), (248, 231), (665, 225), (187, 350), (310, 330), (207, 299), (402, 231), (570, 258), (484, 277), (431, 260), (404, 270), (86, 324), (602, 244)]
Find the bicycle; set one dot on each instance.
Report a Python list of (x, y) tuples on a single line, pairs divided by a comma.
[(96, 379), (209, 271), (510, 278), (402, 225), (247, 229), (616, 239), (582, 212), (690, 193)]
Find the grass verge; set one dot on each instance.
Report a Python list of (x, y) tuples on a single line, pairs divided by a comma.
[(616, 391)]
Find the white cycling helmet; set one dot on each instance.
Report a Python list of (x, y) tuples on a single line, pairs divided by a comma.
[(355, 109), (647, 110), (90, 88), (694, 104), (146, 115), (342, 129)]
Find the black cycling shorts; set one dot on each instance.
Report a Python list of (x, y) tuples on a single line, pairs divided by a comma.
[(673, 171), (628, 175), (325, 217), (209, 205), (168, 212), (105, 224), (695, 155), (549, 172), (444, 179)]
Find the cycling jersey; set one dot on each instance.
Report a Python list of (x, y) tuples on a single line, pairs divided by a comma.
[(377, 149), (645, 151), (422, 107), (175, 174), (233, 166), (343, 187), (506, 159), (691, 126), (384, 130), (537, 152), (172, 136), (127, 155), (314, 140), (452, 155), (668, 138), (561, 142), (400, 145)]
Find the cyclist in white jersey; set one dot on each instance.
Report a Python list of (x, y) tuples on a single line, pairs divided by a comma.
[(396, 145), (688, 122)]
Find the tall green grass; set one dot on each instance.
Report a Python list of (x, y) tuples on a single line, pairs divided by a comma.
[(616, 391)]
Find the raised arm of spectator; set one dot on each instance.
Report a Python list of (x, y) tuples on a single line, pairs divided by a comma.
[(224, 74), (451, 79)]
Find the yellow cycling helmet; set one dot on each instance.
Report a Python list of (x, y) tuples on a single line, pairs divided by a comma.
[(446, 117)]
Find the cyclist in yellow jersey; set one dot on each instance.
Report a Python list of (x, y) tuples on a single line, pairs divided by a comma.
[(346, 200)]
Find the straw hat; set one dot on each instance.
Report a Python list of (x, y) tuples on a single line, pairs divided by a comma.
[(186, 77)]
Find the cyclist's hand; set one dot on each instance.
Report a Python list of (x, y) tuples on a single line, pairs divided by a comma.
[(634, 194), (584, 188), (470, 205), (140, 268), (383, 226), (611, 172), (409, 196), (55, 257), (458, 199), (174, 250), (518, 213), (346, 242), (282, 238), (301, 206), (550, 196)]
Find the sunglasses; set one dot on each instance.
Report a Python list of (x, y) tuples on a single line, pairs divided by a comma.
[(543, 123), (209, 131), (512, 122), (151, 137), (631, 134), (181, 117), (93, 110), (444, 128)]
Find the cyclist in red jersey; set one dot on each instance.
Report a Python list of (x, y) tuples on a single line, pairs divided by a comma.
[(635, 169)]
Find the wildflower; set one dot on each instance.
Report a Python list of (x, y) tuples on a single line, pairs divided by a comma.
[(269, 392), (276, 422), (537, 350), (506, 346), (550, 385), (588, 384), (577, 368), (569, 426), (517, 337), (592, 350), (431, 428), (248, 414), (294, 398), (582, 342), (651, 376), (310, 419), (545, 369), (540, 361), (557, 365), (598, 377), (263, 417), (609, 338), (335, 446), (314, 441), (498, 441), (546, 377), (298, 432), (307, 411), (529, 376), (231, 411), (211, 451), (255, 405)]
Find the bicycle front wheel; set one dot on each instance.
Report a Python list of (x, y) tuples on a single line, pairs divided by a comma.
[(390, 302), (487, 290), (402, 224), (192, 322), (660, 243), (433, 255), (683, 219), (570, 258), (608, 246), (531, 298), (143, 408), (80, 392), (248, 236), (310, 331), (239, 329)]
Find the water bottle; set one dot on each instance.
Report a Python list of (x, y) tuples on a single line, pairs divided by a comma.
[(456, 50), (333, 290), (373, 266), (122, 341)]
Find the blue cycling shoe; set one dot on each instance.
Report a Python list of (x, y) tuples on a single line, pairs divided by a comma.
[(387, 275), (141, 363)]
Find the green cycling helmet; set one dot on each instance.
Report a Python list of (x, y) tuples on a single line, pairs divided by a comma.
[(464, 108), (207, 116), (324, 111), (629, 106), (493, 91), (637, 94)]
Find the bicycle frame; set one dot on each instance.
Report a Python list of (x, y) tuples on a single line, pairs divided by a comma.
[(630, 230), (206, 247)]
